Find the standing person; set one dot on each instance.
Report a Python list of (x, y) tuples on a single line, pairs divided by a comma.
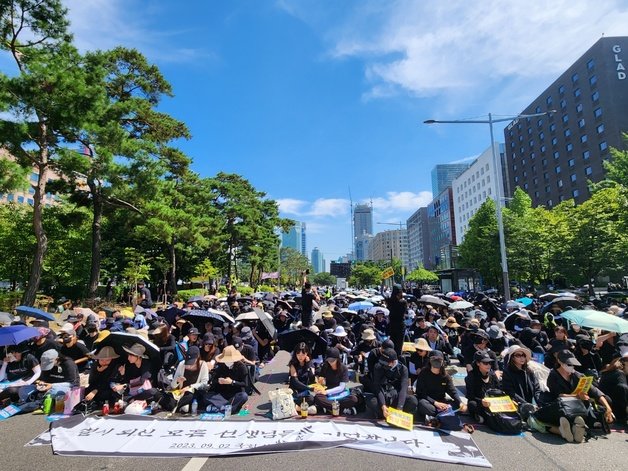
[(397, 307), (146, 298), (308, 296)]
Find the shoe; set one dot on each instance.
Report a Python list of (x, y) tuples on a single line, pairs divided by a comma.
[(565, 430), (579, 430), (185, 409), (536, 425), (311, 410), (349, 411)]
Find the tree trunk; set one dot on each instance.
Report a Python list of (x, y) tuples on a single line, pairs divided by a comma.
[(172, 274), (30, 295), (94, 276)]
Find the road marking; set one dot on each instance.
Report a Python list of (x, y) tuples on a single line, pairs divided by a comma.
[(195, 464)]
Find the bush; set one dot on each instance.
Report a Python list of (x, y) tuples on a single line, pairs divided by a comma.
[(245, 290), (266, 288), (185, 294), (10, 299)]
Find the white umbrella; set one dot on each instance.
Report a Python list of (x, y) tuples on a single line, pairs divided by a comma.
[(222, 314), (375, 309), (460, 305)]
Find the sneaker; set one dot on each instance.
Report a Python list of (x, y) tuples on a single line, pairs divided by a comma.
[(311, 410), (349, 411), (536, 425), (579, 430), (565, 429), (185, 409)]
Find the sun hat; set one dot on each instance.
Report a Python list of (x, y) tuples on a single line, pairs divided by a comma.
[(494, 332), (339, 332), (105, 353), (136, 349), (229, 355), (368, 334), (421, 344), (67, 329), (517, 348), (451, 322)]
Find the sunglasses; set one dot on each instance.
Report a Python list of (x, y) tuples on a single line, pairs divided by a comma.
[(519, 355)]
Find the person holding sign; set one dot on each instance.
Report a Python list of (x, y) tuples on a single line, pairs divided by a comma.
[(519, 382), (390, 385), (479, 380)]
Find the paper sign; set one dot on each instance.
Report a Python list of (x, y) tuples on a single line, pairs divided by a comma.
[(408, 347), (584, 384), (387, 273), (399, 418), (9, 411), (501, 404)]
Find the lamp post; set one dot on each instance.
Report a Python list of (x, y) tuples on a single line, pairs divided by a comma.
[(499, 184)]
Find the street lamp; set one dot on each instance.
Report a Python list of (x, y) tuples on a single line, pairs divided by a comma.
[(498, 176)]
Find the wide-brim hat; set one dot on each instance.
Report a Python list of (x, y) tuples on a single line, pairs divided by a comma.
[(368, 334), (421, 344), (517, 348), (229, 355), (339, 332), (136, 349), (105, 353), (451, 322)]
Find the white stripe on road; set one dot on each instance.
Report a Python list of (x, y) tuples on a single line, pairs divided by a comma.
[(195, 464)]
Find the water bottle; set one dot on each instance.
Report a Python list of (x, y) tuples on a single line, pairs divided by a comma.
[(227, 411), (304, 407), (335, 409), (47, 405), (194, 407)]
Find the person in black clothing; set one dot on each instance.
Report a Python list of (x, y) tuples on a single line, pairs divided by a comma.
[(419, 359), (58, 375), (333, 379), (282, 321), (136, 376), (418, 328), (614, 382), (101, 375), (478, 381), (229, 382), (432, 384), (368, 343), (371, 361), (20, 368), (72, 348), (308, 296), (167, 344), (590, 360), (43, 343), (302, 376), (391, 384), (437, 342), (480, 344), (519, 382), (146, 298), (91, 335), (397, 306)]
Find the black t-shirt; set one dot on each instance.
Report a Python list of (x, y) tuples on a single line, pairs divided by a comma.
[(134, 375), (75, 352), (333, 377), (38, 350), (65, 372), (307, 301), (22, 369), (100, 380)]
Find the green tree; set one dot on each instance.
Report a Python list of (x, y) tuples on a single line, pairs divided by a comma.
[(207, 271), (136, 269), (293, 263), (17, 243), (323, 279), (422, 276), (365, 274)]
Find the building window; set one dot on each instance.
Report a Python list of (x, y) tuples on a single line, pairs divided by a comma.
[(20, 199), (552, 127), (584, 138), (577, 92), (34, 176), (586, 154), (595, 96), (548, 100), (563, 104), (549, 203), (556, 154), (591, 65), (565, 118), (603, 146), (567, 132), (531, 144), (541, 136), (575, 193), (569, 147), (554, 141), (574, 78), (600, 129), (516, 179), (11, 197), (597, 112), (571, 162), (579, 108), (539, 123), (559, 183), (557, 169), (537, 109), (581, 123), (573, 177), (547, 189), (593, 80), (561, 90), (588, 170), (30, 201), (31, 191), (529, 131), (543, 148)]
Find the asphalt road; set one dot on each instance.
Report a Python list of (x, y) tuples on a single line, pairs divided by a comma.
[(529, 452)]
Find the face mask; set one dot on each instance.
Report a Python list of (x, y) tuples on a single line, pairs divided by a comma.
[(229, 364), (569, 369), (436, 363)]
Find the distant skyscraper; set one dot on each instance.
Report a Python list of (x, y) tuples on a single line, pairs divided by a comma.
[(418, 239), (318, 262), (391, 244), (362, 227), (295, 238), (444, 174)]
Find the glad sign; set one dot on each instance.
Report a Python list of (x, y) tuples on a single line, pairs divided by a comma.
[(621, 70)]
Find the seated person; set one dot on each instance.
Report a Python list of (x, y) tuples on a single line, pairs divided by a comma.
[(72, 348), (209, 351), (519, 382), (391, 383), (229, 381), (301, 373), (419, 359), (418, 328), (361, 351), (371, 360), (101, 375), (437, 342), (478, 381), (614, 382), (59, 374), (20, 368), (590, 360), (432, 386), (333, 378), (136, 376), (43, 342), (191, 374), (339, 339), (480, 344)]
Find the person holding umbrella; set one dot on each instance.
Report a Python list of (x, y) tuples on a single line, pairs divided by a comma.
[(20, 368), (136, 376)]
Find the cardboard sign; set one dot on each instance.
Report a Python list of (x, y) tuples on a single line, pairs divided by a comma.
[(9, 411), (501, 404), (387, 273), (584, 384), (399, 418)]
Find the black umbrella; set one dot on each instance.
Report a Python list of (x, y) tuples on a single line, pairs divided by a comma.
[(119, 340), (290, 339), (563, 303), (170, 314), (198, 317), (266, 321)]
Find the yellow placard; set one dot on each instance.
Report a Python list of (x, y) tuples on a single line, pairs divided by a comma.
[(408, 347), (501, 404), (387, 273), (399, 418), (584, 384)]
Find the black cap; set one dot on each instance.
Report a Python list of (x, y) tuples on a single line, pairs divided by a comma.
[(437, 354), (479, 336), (389, 355), (568, 358), (193, 331), (388, 344), (333, 352), (208, 339), (192, 354), (237, 342), (482, 357)]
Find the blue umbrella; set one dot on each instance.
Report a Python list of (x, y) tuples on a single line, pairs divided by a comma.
[(361, 306), (596, 320), (34, 312), (525, 301), (15, 334)]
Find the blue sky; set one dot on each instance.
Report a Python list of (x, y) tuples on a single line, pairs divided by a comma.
[(314, 100)]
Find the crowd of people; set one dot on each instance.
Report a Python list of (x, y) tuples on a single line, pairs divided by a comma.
[(401, 353)]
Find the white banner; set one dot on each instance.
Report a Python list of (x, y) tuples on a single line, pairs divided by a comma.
[(149, 436)]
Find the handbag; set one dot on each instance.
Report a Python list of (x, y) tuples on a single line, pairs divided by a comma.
[(572, 407), (282, 403)]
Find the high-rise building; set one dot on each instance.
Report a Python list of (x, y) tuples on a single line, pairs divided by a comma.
[(418, 239), (473, 187), (390, 244), (442, 232), (444, 174), (318, 262), (295, 238), (303, 240), (553, 158), (362, 229)]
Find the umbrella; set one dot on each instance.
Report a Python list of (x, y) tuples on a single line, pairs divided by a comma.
[(551, 296), (5, 318), (266, 320), (85, 311), (596, 319), (563, 303), (118, 340), (202, 316), (511, 319), (374, 310), (456, 305), (514, 305), (525, 301), (223, 314), (170, 314), (34, 312), (127, 313), (291, 338), (360, 306), (15, 334), (194, 299), (429, 299)]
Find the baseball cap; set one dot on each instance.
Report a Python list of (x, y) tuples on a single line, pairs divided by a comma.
[(333, 352), (568, 358), (482, 357), (48, 358), (192, 354), (389, 355)]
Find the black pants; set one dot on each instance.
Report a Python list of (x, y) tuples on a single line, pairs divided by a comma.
[(320, 400), (375, 408), (11, 393)]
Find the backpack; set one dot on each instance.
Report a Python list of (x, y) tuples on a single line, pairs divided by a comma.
[(506, 423)]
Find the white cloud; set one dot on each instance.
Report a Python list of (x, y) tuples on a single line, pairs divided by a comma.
[(401, 201), (330, 207), (290, 205)]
